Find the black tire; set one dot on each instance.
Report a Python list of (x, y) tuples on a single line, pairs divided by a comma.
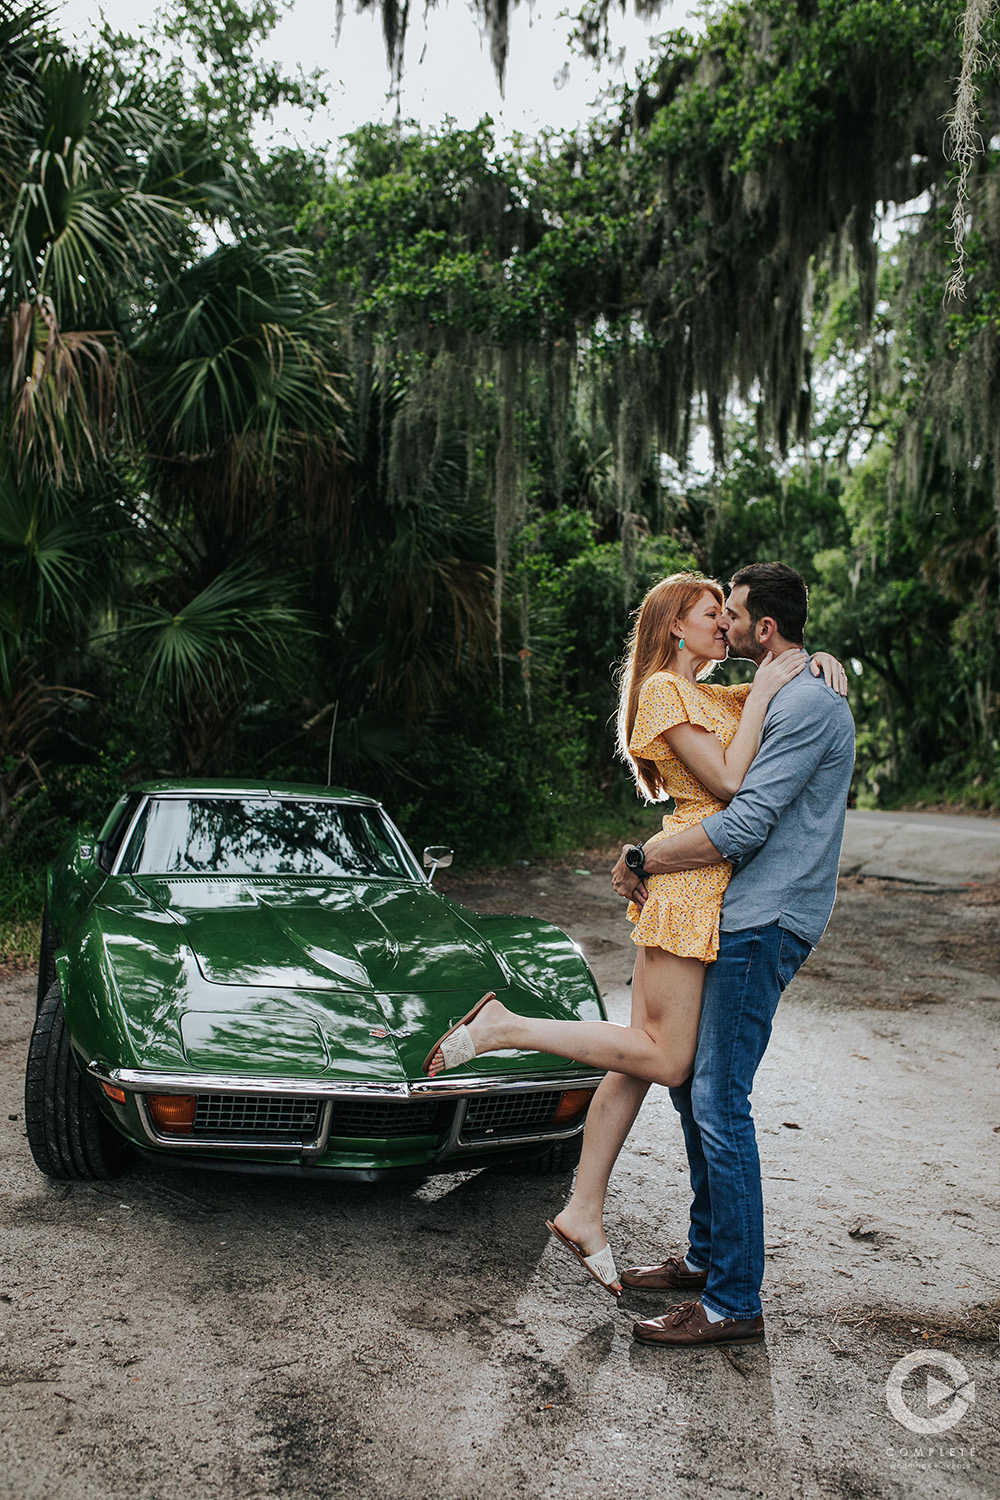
[(562, 1156), (67, 1134), (46, 957)]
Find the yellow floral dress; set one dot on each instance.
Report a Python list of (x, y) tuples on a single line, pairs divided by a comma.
[(682, 911)]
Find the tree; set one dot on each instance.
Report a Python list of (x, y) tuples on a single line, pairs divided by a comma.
[(166, 410)]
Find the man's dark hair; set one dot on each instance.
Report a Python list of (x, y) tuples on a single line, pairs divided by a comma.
[(777, 592)]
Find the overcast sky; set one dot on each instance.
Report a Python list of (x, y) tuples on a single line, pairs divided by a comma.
[(448, 69)]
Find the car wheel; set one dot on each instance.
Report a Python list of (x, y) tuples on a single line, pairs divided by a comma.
[(562, 1156), (67, 1134), (46, 957)]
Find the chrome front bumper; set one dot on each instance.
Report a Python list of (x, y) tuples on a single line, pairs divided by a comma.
[(462, 1091)]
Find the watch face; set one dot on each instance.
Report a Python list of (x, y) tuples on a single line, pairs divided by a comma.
[(634, 859)]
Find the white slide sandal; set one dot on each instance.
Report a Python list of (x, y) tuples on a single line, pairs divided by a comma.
[(457, 1046), (601, 1266)]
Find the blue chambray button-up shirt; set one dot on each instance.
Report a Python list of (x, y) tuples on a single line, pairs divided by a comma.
[(784, 828)]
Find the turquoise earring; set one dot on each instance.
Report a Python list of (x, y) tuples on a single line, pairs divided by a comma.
[(680, 644)]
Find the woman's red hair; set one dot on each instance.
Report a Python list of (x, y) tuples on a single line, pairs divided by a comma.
[(652, 647)]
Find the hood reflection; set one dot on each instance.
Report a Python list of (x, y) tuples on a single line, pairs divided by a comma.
[(340, 934)]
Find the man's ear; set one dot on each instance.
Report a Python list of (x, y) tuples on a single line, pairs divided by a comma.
[(766, 628)]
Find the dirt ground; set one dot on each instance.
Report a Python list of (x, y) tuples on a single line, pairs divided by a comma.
[(177, 1334)]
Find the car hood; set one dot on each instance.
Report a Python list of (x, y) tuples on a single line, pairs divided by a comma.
[(345, 935), (353, 980)]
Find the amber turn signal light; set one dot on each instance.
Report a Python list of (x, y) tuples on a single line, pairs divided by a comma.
[(571, 1106), (114, 1092), (173, 1114)]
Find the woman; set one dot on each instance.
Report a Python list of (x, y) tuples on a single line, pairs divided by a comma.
[(693, 741)]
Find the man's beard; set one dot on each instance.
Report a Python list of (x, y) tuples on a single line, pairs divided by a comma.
[(744, 646)]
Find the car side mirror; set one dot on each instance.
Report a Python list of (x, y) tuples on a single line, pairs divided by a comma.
[(437, 857)]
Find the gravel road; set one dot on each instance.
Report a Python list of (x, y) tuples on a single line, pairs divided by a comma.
[(185, 1336)]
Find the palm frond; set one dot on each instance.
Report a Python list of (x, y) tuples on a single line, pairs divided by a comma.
[(237, 627), (367, 741), (184, 166), (243, 401), (56, 559), (21, 108), (28, 704), (84, 223), (71, 392)]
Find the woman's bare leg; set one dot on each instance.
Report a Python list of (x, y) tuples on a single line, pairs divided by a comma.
[(613, 1111), (661, 1050), (610, 1118)]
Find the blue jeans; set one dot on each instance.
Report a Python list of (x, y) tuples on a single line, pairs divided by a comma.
[(741, 994)]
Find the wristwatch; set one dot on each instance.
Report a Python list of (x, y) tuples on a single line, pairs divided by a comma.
[(635, 859)]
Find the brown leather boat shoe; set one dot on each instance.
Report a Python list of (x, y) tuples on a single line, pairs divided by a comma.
[(671, 1275), (686, 1327)]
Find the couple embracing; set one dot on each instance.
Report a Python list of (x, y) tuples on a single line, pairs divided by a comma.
[(727, 901)]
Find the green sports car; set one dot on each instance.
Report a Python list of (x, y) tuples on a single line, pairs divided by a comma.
[(250, 976)]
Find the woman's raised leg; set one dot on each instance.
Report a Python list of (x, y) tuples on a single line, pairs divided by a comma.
[(661, 1050)]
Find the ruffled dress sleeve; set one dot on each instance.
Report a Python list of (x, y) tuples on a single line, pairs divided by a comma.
[(664, 702)]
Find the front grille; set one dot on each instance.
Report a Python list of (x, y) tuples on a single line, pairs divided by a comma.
[(271, 1116), (510, 1114), (375, 1119)]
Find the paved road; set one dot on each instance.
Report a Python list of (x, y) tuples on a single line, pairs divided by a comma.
[(937, 848)]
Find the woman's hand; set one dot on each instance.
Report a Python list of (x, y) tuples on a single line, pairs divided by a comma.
[(626, 882), (833, 673), (775, 671)]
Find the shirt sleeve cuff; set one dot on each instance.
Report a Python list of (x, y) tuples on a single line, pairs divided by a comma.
[(714, 828)]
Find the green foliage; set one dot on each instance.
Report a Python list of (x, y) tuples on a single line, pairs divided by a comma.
[(75, 794), (678, 236), (578, 610), (202, 60), (167, 412), (233, 341), (505, 787), (758, 512), (357, 471), (236, 627)]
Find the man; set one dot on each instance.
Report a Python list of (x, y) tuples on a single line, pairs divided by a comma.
[(782, 832)]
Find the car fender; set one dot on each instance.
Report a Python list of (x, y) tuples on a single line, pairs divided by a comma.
[(136, 950), (544, 961)]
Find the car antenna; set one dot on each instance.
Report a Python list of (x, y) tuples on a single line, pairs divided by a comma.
[(329, 752)]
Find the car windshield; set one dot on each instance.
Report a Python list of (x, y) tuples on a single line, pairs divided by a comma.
[(263, 836)]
